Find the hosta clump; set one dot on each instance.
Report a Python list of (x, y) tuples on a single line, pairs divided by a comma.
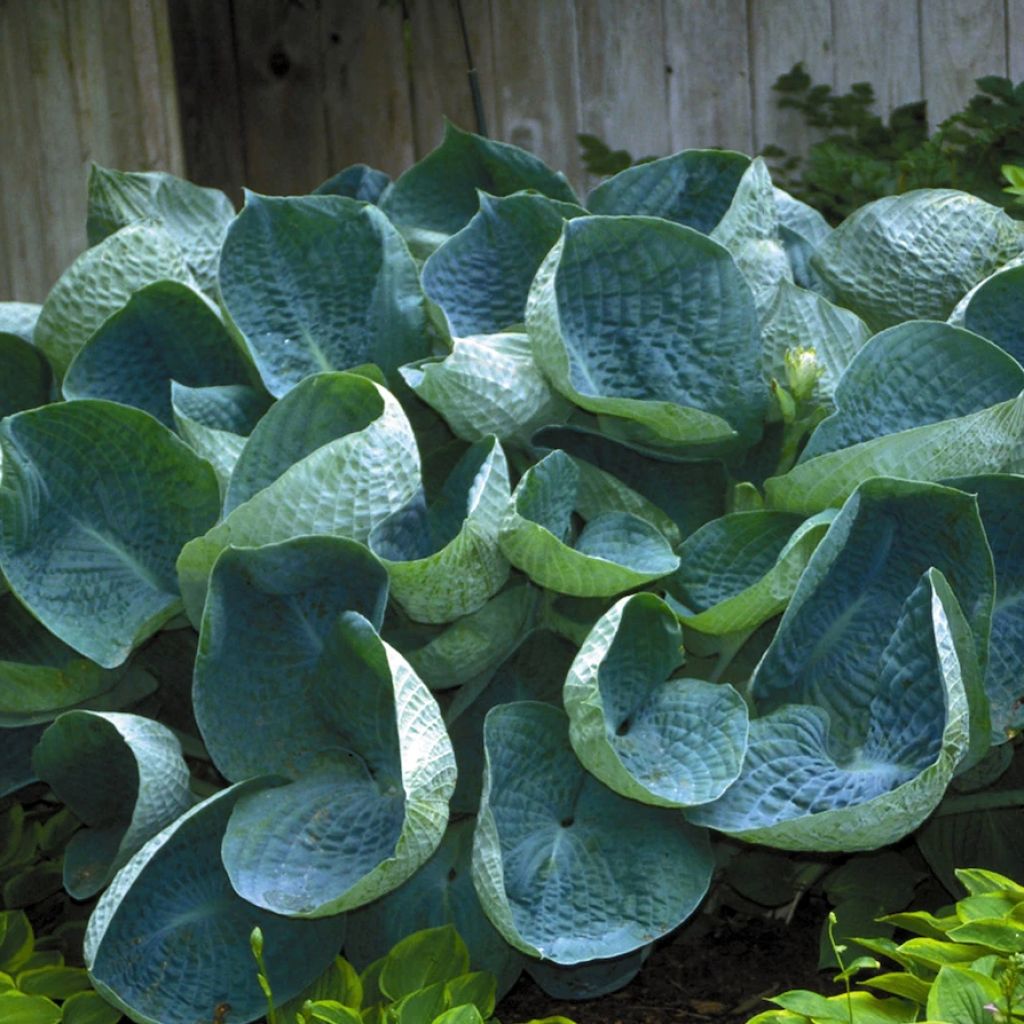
[(466, 552)]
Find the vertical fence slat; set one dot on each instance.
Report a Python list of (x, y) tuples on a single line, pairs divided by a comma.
[(280, 73), (441, 86), (538, 94), (959, 43), (707, 50), (208, 98), (623, 92), (366, 98), (781, 34), (878, 41), (1015, 39)]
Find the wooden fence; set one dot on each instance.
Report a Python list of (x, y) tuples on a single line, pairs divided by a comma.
[(279, 94)]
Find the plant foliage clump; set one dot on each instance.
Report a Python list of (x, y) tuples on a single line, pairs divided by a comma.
[(463, 552)]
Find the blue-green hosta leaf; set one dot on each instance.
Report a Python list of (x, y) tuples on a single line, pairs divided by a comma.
[(671, 742), (798, 318), (266, 623), (489, 384), (690, 493), (440, 893), (124, 776), (803, 787), (16, 757), (364, 813), (738, 571), (25, 383), (923, 400), (615, 551), (535, 670), (566, 869), (694, 188), (40, 676), (994, 308), (444, 561), (752, 213), (166, 332), (96, 501), (476, 644), (215, 422), (481, 276), (196, 218), (279, 276), (19, 318), (362, 466), (100, 282), (1000, 499), (913, 256), (588, 980), (440, 193), (169, 939), (652, 322), (801, 230), (366, 184), (765, 266)]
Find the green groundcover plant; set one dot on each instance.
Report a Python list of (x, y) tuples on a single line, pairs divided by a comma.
[(455, 551)]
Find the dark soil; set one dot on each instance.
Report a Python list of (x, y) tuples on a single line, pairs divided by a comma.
[(715, 971)]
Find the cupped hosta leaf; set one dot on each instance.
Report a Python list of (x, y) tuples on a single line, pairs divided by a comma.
[(40, 676), (25, 383), (922, 400), (566, 869), (587, 980), (994, 309), (280, 282), (19, 318), (690, 493), (166, 332), (476, 644), (535, 670), (174, 898), (124, 776), (652, 322), (738, 571), (264, 631), (481, 276), (804, 787), (672, 742), (196, 218), (694, 187), (444, 561), (798, 318), (440, 193), (359, 181), (360, 468), (489, 384), (440, 893), (1000, 499), (615, 551), (96, 501), (100, 282), (215, 422), (368, 807), (913, 256), (801, 230), (752, 212)]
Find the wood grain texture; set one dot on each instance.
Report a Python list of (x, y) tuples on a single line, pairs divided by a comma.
[(208, 93), (781, 34), (623, 75), (441, 86), (86, 80), (879, 41), (281, 82), (707, 52), (959, 43), (538, 96), (1015, 39), (367, 98)]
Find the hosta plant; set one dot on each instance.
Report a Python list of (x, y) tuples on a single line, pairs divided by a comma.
[(459, 550)]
